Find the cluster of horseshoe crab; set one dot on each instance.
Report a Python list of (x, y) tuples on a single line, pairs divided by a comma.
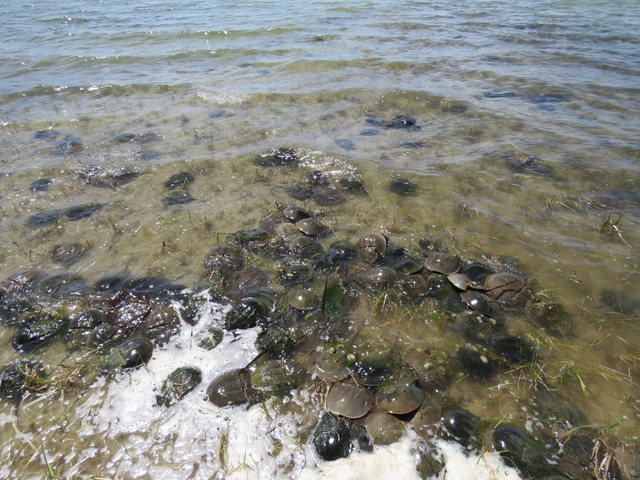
[(304, 287)]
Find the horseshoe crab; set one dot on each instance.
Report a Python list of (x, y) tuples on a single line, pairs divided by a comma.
[(477, 301), (295, 214), (440, 262), (232, 388), (312, 228), (331, 365), (508, 288), (398, 399), (462, 282), (348, 400), (371, 245), (303, 300), (384, 428), (222, 258)]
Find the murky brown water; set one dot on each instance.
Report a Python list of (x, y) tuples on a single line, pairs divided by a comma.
[(486, 186)]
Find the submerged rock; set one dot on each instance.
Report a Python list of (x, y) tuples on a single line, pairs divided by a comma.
[(331, 437), (461, 426)]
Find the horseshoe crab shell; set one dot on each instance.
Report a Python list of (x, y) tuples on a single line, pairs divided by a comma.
[(371, 246), (302, 299), (312, 227), (440, 262), (398, 399), (348, 400)]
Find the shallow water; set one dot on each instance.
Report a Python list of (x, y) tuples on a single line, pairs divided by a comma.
[(527, 148)]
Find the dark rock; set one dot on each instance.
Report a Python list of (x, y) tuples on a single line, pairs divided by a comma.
[(178, 385), (217, 113), (461, 426), (331, 438)]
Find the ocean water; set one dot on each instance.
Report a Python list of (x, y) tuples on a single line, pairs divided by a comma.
[(525, 145)]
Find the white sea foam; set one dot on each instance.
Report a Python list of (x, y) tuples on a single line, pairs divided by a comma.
[(194, 438)]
